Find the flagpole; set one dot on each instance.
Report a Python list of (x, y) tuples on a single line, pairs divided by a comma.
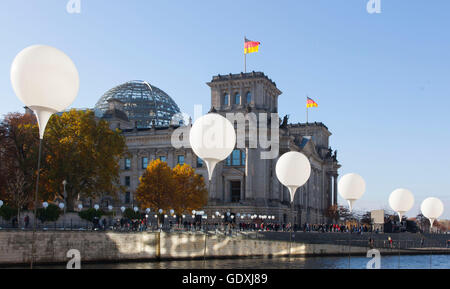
[(306, 109), (245, 57)]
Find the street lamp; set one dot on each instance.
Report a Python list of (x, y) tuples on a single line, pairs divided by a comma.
[(432, 208), (293, 170), (212, 138), (351, 187), (401, 201)]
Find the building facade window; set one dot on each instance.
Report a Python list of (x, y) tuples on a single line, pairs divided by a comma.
[(127, 197), (180, 159), (226, 98), (163, 158), (127, 164), (237, 158), (237, 98), (199, 162), (249, 97), (127, 181), (144, 163)]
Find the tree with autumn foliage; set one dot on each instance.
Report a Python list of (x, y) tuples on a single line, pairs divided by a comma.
[(156, 187), (77, 148), (190, 191), (180, 189), (19, 142), (85, 152)]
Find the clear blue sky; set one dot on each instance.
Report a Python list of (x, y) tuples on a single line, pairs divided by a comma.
[(382, 81)]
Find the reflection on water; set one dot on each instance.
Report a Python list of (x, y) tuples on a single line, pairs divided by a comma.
[(387, 262)]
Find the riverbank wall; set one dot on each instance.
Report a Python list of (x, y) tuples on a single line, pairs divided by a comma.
[(52, 247)]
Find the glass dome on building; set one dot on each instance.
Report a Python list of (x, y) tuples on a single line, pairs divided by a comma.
[(143, 103)]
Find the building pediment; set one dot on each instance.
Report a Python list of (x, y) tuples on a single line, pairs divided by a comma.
[(230, 171)]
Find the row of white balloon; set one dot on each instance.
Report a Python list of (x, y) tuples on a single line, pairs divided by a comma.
[(47, 89), (352, 187), (293, 169)]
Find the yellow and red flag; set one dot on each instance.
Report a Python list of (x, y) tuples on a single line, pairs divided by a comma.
[(310, 103), (251, 46)]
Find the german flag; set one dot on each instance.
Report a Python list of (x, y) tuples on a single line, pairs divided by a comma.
[(310, 103), (251, 46)]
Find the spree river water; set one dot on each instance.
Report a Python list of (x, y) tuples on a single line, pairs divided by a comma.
[(387, 262)]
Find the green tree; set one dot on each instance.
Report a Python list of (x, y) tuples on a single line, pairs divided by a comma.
[(6, 212), (131, 214), (49, 214), (90, 214)]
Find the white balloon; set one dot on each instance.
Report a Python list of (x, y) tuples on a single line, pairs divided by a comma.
[(293, 170), (136, 209), (45, 205), (122, 209), (44, 79), (61, 205), (1, 203), (432, 208), (160, 211), (172, 211), (212, 138), (80, 206), (96, 207), (110, 207), (351, 187), (147, 210), (401, 201)]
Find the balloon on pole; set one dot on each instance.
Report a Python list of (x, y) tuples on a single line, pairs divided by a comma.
[(212, 138), (293, 170), (401, 201), (432, 208), (351, 187), (46, 80)]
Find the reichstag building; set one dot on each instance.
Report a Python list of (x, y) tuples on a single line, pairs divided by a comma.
[(243, 183)]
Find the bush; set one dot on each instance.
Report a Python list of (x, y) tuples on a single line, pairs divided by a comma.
[(90, 214), (7, 212), (51, 214), (131, 214)]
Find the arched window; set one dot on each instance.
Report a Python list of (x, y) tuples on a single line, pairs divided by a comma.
[(249, 97), (237, 98), (225, 99)]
